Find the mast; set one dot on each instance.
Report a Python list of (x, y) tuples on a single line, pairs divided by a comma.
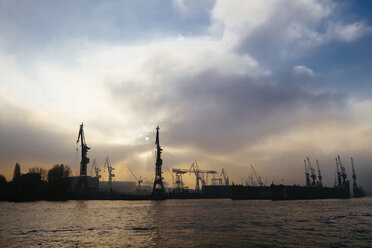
[(158, 188), (320, 183), (313, 176), (343, 172), (84, 160), (355, 186), (110, 170), (96, 169), (307, 175), (338, 174)]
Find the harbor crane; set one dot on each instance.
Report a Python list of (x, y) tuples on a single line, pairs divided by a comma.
[(357, 191), (355, 186), (178, 175), (307, 175), (208, 172), (96, 169), (82, 181), (110, 170), (225, 177), (201, 176), (320, 183), (139, 180), (158, 188), (258, 178), (312, 171), (338, 174), (198, 175), (343, 171)]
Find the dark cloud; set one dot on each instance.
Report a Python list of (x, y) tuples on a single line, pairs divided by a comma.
[(223, 113)]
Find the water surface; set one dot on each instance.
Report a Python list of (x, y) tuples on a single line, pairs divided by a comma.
[(187, 223)]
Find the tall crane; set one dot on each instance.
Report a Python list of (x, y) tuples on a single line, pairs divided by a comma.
[(312, 171), (201, 175), (343, 171), (198, 175), (139, 180), (320, 183), (178, 175), (339, 183), (110, 170), (357, 191), (96, 169), (307, 175), (158, 188), (82, 181), (258, 178), (225, 177), (251, 179), (355, 186)]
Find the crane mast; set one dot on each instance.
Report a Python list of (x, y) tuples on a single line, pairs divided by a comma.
[(357, 191), (139, 181), (199, 175), (355, 186), (84, 150), (313, 176), (179, 181), (158, 188), (307, 175), (259, 181), (96, 169), (225, 177), (343, 173), (82, 181), (110, 170), (338, 174), (320, 183)]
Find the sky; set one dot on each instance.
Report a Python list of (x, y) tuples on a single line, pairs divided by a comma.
[(230, 83)]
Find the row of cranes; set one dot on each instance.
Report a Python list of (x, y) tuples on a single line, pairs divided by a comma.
[(201, 177), (310, 167), (96, 170), (340, 174)]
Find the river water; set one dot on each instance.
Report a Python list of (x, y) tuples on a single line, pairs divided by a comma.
[(187, 223)]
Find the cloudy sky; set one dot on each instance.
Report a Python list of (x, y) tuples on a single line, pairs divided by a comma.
[(229, 83)]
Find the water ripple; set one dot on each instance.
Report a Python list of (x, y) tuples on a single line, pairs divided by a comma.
[(187, 223)]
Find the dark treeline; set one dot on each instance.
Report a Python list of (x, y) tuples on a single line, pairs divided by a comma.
[(36, 184)]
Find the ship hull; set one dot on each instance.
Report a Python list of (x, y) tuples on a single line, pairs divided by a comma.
[(240, 192), (282, 192)]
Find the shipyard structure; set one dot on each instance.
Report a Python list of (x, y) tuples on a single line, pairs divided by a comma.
[(314, 189), (208, 183)]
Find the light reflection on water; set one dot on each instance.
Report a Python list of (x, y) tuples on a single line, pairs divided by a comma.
[(187, 223)]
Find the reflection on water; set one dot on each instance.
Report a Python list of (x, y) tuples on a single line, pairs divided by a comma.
[(187, 223)]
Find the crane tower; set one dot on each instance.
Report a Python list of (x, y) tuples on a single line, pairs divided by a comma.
[(158, 189), (96, 169), (110, 170), (82, 181)]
